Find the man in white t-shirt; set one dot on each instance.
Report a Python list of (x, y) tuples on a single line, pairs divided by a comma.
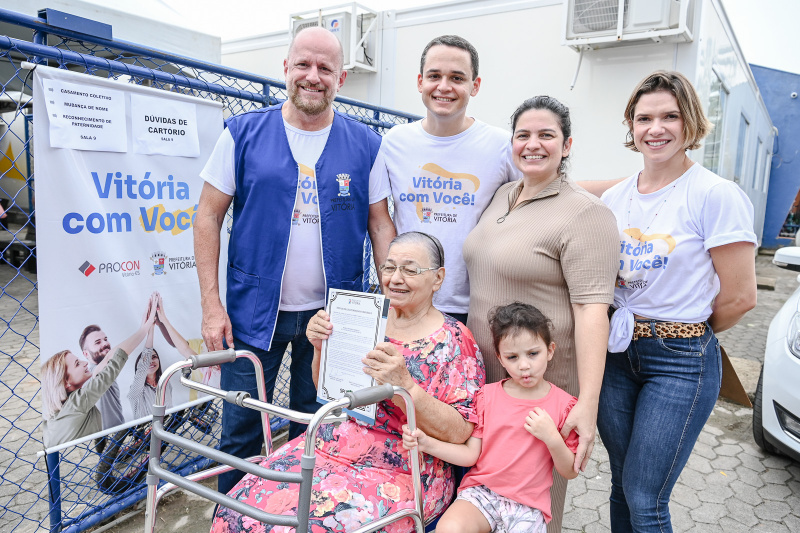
[(298, 176), (445, 168)]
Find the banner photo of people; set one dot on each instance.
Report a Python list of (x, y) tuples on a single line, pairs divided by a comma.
[(117, 187)]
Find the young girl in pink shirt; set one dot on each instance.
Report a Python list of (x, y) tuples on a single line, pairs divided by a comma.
[(517, 439)]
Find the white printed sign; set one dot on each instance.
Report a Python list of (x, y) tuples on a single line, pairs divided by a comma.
[(165, 127), (85, 117), (115, 246)]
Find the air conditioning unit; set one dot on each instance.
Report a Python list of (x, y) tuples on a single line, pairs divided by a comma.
[(355, 29), (591, 24)]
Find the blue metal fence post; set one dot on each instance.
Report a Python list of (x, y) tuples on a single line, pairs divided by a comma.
[(265, 91), (377, 116), (269, 100), (40, 37), (28, 180), (54, 484)]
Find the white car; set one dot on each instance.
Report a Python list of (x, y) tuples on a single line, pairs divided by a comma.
[(776, 413)]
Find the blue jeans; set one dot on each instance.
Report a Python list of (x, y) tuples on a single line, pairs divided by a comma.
[(656, 397), (242, 434)]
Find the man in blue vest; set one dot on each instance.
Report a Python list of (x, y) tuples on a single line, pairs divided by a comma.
[(298, 175)]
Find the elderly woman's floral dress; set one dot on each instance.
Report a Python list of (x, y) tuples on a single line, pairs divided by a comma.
[(362, 472)]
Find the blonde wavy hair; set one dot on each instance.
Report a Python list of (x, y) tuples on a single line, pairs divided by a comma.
[(54, 392)]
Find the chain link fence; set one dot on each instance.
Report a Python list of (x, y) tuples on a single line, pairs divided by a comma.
[(80, 485)]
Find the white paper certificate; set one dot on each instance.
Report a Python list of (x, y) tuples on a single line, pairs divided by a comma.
[(359, 323)]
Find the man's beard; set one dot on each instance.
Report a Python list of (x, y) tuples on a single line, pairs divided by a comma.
[(99, 355), (310, 108)]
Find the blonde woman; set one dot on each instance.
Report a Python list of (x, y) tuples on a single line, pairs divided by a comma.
[(70, 390)]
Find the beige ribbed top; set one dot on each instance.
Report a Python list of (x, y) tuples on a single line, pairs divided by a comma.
[(554, 250)]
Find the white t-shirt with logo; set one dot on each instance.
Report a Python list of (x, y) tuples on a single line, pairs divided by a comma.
[(303, 285), (665, 270), (441, 185)]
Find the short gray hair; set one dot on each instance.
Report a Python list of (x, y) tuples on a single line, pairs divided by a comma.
[(430, 243)]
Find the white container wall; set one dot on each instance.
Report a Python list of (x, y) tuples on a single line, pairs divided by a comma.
[(522, 55)]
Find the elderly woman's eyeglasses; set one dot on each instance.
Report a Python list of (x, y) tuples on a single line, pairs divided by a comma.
[(405, 271)]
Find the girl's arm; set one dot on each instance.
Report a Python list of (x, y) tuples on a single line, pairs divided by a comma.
[(540, 425), (137, 386), (736, 268), (87, 396), (130, 344), (172, 336), (458, 454)]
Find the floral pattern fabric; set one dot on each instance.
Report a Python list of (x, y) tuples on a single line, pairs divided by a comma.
[(362, 472)]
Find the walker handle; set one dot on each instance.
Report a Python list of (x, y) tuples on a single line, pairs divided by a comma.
[(369, 395), (213, 358)]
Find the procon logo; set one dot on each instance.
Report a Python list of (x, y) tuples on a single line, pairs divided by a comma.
[(123, 268), (86, 268)]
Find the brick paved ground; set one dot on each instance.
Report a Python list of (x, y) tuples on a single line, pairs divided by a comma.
[(728, 486)]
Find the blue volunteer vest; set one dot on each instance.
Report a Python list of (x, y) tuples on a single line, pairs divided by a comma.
[(266, 186)]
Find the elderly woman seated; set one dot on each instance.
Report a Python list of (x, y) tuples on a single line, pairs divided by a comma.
[(362, 471)]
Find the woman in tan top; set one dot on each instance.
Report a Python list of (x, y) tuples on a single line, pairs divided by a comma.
[(546, 242)]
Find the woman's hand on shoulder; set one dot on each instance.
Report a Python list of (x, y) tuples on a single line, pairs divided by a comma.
[(149, 317), (387, 365), (319, 329)]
